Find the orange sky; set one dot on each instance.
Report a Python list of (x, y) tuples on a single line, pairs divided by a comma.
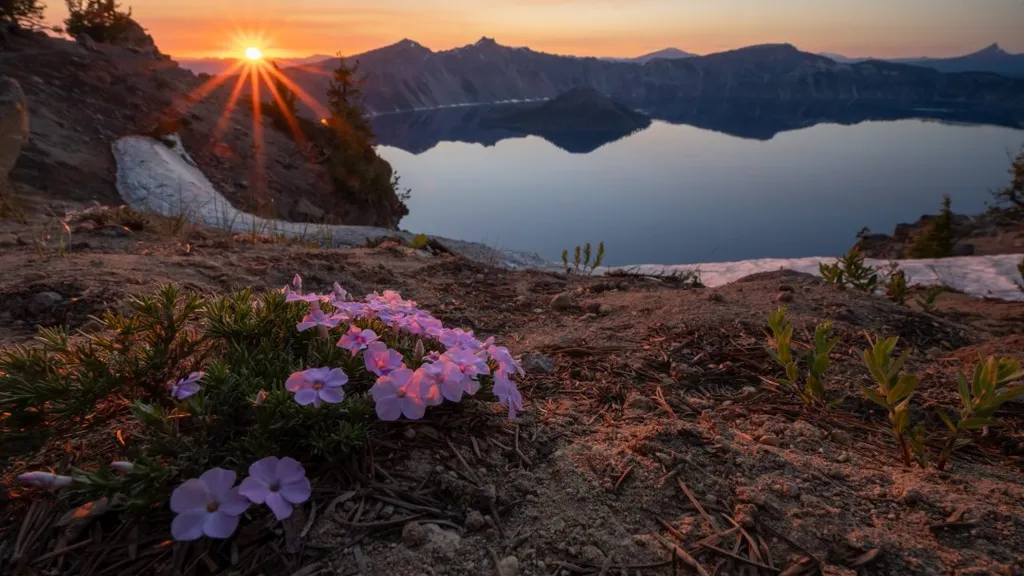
[(883, 28)]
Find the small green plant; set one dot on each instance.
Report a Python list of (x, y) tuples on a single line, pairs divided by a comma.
[(893, 392), (927, 301), (581, 259), (419, 242), (937, 240), (851, 270), (980, 398), (781, 348), (896, 285)]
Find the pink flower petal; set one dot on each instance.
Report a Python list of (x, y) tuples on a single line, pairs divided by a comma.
[(290, 470), (254, 489), (234, 503), (332, 395), (265, 470), (296, 382), (218, 482), (307, 397), (191, 495), (188, 526), (414, 408), (279, 506), (220, 525), (389, 408), (297, 491)]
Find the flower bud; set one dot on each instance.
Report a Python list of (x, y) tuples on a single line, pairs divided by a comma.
[(45, 480), (122, 466)]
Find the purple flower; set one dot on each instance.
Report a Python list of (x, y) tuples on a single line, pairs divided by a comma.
[(186, 387), (505, 361), (399, 394), (338, 295), (457, 338), (45, 480), (295, 297), (470, 365), (355, 339), (508, 394), (317, 385), (381, 360), (209, 505), (446, 377), (420, 324), (432, 356), (278, 483), (317, 317)]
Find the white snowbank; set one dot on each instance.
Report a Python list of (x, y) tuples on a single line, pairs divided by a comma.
[(981, 276), (155, 177)]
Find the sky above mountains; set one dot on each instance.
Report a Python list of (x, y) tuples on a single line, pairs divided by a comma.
[(286, 28)]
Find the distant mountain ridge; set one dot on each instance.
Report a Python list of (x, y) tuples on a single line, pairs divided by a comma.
[(409, 76), (214, 66), (989, 59), (666, 54)]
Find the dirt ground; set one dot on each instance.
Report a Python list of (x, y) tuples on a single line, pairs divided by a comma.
[(660, 427)]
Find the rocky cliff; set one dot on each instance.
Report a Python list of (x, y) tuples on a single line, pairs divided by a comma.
[(408, 76)]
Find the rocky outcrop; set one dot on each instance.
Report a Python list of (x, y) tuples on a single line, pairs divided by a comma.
[(13, 124), (408, 76)]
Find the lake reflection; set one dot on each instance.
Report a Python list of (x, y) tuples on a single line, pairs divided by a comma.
[(676, 193)]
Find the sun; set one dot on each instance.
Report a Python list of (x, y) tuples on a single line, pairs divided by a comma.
[(253, 53)]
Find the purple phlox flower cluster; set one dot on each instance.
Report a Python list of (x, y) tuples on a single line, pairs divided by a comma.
[(338, 295), (458, 338), (317, 317), (357, 339), (440, 380), (470, 365), (212, 505), (382, 360), (209, 505), (317, 385), (47, 480), (293, 293), (280, 483), (506, 363), (399, 394), (508, 393), (186, 387), (421, 324)]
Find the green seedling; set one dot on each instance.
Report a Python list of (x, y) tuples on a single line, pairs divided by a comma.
[(927, 301), (894, 388), (989, 389), (896, 286), (781, 348)]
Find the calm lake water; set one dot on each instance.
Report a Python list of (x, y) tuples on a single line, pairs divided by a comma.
[(677, 194)]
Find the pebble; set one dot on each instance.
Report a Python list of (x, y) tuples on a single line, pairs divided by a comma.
[(387, 512), (44, 301), (911, 496), (769, 440), (748, 390), (843, 458), (566, 341), (716, 297), (479, 277), (785, 288), (414, 535), (562, 302), (593, 555), (508, 566), (784, 297), (841, 437), (35, 277), (474, 521)]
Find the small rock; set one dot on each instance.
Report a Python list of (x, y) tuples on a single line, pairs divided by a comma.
[(590, 316), (479, 278), (409, 434), (44, 301), (769, 440), (716, 297), (562, 302), (414, 535), (592, 555), (35, 277), (911, 496), (566, 341), (508, 566), (387, 512), (474, 521), (841, 437), (784, 297), (843, 458), (592, 308), (748, 390), (785, 288), (538, 364)]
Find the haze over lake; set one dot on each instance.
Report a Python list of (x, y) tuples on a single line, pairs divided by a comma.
[(676, 194)]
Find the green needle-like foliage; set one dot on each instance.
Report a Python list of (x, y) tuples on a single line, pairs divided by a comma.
[(896, 287), (927, 301), (576, 259), (850, 271), (600, 257), (586, 255), (894, 390), (781, 348), (565, 260), (989, 389), (582, 259)]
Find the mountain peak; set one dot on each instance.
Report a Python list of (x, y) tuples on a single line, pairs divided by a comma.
[(485, 41), (992, 50)]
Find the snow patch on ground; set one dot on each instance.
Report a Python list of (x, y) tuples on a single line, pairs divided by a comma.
[(154, 176)]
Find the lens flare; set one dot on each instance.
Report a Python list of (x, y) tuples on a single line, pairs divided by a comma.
[(253, 53)]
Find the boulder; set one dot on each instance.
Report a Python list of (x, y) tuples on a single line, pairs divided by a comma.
[(13, 124), (305, 211)]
